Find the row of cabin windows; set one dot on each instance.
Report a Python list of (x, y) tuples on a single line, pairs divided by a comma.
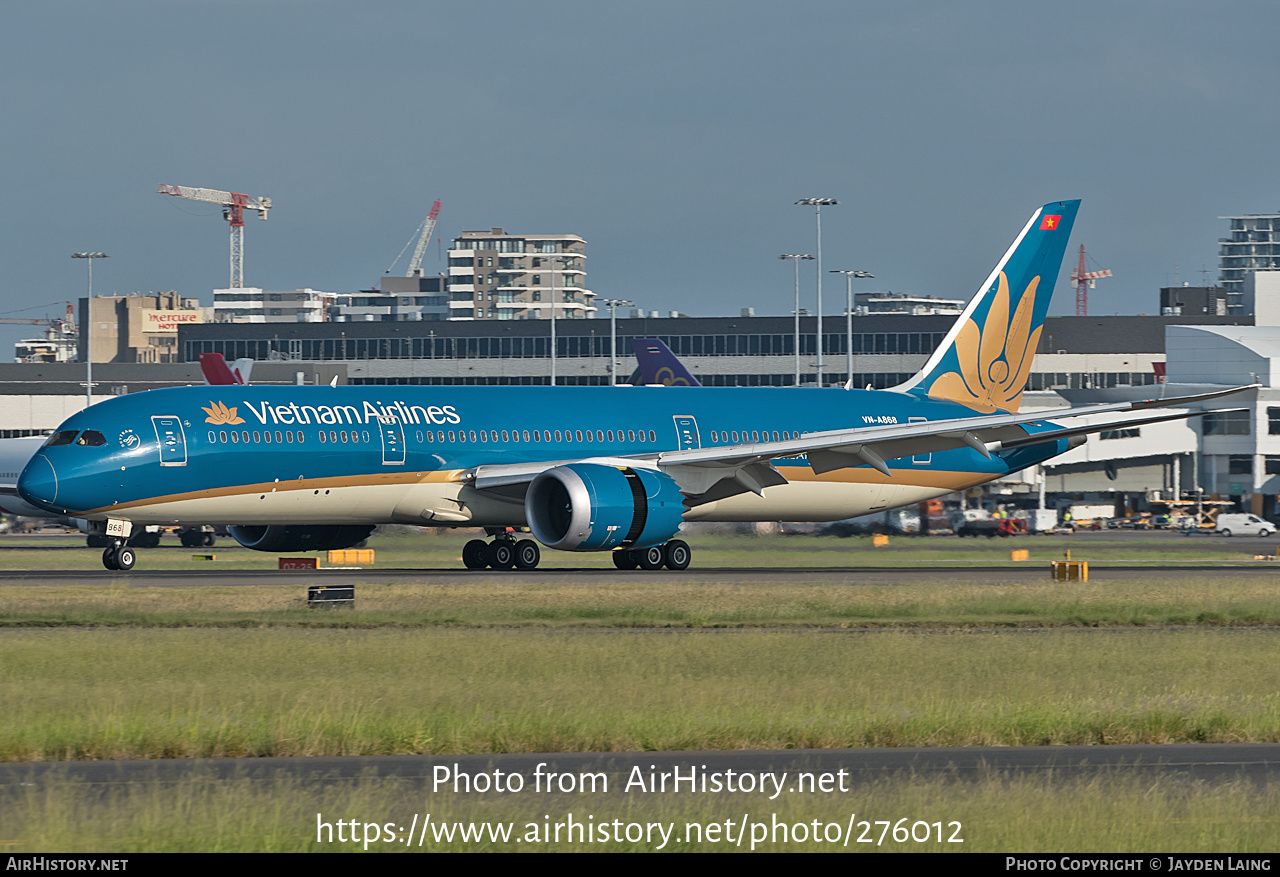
[(265, 437), (455, 436), (516, 436)]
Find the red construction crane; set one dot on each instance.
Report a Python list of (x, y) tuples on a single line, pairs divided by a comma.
[(1084, 281), (234, 205), (424, 237)]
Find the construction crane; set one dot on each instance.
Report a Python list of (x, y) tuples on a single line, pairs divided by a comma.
[(60, 336), (424, 238), (234, 205), (1084, 281)]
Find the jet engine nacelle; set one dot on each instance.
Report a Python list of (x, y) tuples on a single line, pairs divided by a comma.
[(597, 507), (316, 538)]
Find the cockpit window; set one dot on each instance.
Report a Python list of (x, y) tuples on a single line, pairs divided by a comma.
[(92, 438), (61, 438)]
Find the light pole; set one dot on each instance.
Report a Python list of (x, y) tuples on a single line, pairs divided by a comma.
[(613, 304), (818, 204), (552, 262), (88, 326), (795, 260), (848, 316)]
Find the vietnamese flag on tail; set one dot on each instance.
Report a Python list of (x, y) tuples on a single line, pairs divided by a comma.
[(1049, 223)]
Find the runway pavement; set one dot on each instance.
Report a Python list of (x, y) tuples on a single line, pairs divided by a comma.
[(954, 573)]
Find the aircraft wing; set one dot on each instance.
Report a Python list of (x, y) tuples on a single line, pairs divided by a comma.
[(707, 474)]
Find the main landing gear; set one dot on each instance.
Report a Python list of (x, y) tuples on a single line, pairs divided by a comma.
[(504, 552), (673, 555), (119, 557)]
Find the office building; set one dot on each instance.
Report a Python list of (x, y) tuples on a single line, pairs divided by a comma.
[(498, 276)]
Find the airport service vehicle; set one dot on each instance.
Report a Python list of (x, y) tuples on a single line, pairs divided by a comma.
[(1243, 525), (615, 469)]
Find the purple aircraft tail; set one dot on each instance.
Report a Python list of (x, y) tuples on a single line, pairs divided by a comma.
[(658, 365)]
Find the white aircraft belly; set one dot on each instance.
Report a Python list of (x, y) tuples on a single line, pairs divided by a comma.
[(813, 501)]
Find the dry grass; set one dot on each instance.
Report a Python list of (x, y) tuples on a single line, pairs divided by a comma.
[(996, 813)]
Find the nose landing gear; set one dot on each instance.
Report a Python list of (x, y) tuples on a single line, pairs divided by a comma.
[(119, 557)]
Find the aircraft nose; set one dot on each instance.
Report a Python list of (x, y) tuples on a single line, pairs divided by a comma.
[(38, 482)]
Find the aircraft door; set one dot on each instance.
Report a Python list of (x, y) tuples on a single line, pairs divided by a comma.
[(687, 432), (392, 431), (172, 441)]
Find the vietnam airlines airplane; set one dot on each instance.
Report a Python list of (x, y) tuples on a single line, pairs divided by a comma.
[(613, 469)]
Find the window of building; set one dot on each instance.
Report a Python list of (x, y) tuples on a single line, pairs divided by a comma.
[(1226, 423), (1240, 464), (1273, 421), (1129, 432)]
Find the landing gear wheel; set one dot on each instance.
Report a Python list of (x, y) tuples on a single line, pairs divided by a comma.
[(109, 557), (625, 559), (527, 554), (501, 554), (473, 554), (676, 555), (125, 559), (650, 558), (209, 539)]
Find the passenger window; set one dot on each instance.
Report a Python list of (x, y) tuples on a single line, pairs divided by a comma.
[(588, 436), (631, 435), (484, 436), (279, 438), (557, 435), (610, 435), (222, 436), (505, 437), (266, 437), (473, 436), (452, 437), (493, 435), (288, 435), (235, 437), (579, 435), (301, 437), (546, 435), (440, 436), (365, 435), (599, 436), (526, 435), (322, 436), (212, 437), (653, 436), (257, 437)]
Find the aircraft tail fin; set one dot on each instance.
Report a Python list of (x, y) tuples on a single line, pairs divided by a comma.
[(985, 360), (658, 365), (240, 370), (218, 374)]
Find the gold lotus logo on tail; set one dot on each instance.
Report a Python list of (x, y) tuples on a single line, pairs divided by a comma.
[(996, 359), (220, 414)]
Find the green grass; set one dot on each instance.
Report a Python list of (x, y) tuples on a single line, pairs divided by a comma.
[(106, 694), (804, 600), (1125, 813)]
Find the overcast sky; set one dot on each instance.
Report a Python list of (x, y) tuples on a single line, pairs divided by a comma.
[(673, 136)]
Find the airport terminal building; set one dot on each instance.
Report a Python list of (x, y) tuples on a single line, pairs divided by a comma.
[(1079, 359)]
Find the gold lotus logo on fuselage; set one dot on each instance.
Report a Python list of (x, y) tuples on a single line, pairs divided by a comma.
[(995, 360), (220, 414)]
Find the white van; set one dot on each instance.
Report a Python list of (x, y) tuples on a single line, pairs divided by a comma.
[(1243, 525)]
